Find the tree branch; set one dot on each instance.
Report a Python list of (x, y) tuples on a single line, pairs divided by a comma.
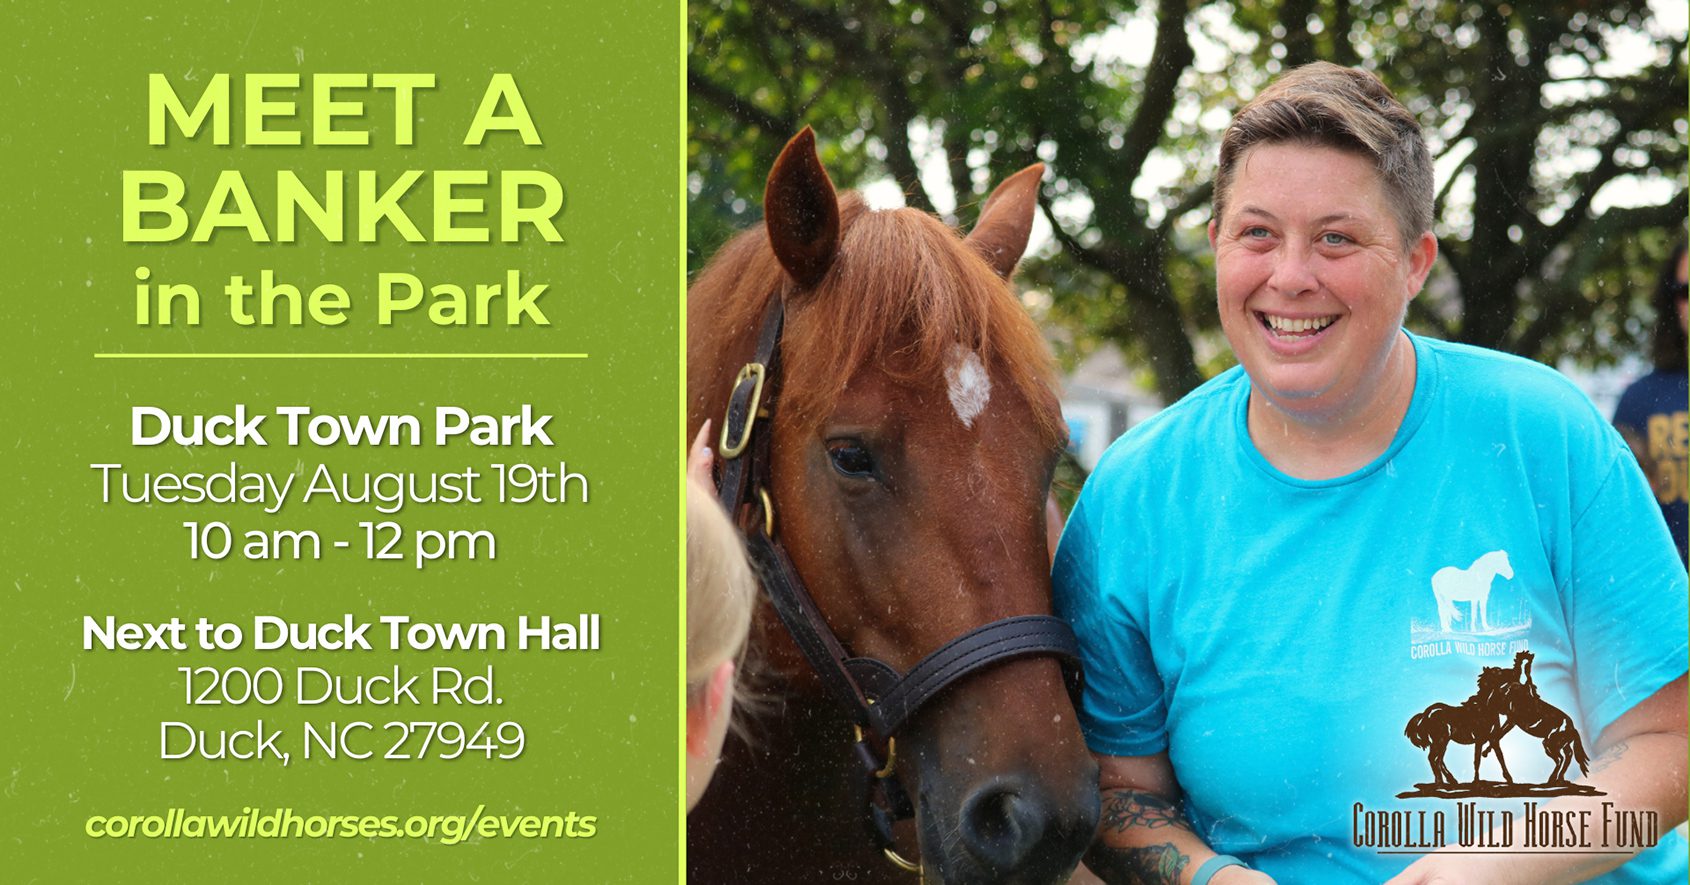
[(955, 70), (1343, 50), (1443, 192), (1155, 322), (1586, 184), (854, 50), (1108, 261), (1298, 42), (737, 106), (1545, 238), (1192, 199), (1610, 226), (1169, 58)]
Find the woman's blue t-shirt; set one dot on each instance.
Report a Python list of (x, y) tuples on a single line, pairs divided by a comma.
[(1275, 635)]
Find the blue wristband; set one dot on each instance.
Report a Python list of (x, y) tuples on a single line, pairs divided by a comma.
[(1214, 865)]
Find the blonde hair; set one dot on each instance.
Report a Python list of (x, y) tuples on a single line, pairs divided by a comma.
[(720, 588)]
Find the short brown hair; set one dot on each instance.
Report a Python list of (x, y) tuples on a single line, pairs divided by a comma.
[(1344, 108)]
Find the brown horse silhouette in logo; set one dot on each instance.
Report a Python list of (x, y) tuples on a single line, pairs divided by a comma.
[(1507, 698), (1476, 721), (1519, 701)]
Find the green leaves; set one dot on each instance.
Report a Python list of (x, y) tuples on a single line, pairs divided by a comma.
[(1546, 117)]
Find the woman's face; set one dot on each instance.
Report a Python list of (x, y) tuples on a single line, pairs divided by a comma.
[(1312, 277)]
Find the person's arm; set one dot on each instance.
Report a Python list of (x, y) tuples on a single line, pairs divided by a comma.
[(1142, 836), (1639, 764)]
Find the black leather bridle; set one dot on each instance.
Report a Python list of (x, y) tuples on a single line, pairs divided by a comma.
[(878, 699)]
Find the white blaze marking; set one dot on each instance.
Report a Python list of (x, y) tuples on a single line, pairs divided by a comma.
[(969, 386)]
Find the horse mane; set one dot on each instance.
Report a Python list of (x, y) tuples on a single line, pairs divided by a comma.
[(903, 317), (1495, 677)]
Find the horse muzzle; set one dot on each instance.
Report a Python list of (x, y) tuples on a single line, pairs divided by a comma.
[(1012, 828)]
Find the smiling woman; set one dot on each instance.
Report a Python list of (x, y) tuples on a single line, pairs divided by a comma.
[(1314, 278), (1259, 575), (1322, 235)]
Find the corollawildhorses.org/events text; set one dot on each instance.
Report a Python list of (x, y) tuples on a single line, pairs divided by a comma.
[(283, 823), (1607, 828)]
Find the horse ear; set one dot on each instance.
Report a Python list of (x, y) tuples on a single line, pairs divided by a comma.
[(1007, 219), (801, 211)]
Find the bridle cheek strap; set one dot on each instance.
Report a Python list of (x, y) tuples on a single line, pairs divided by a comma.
[(821, 649)]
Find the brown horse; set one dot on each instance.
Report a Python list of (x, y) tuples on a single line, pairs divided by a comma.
[(1477, 721), (1526, 710), (912, 447)]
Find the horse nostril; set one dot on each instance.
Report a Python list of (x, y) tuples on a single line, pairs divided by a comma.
[(1014, 830), (1000, 827)]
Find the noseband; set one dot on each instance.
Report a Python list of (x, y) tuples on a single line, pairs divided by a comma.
[(878, 699)]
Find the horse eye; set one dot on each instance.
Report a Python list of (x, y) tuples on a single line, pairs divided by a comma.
[(851, 458)]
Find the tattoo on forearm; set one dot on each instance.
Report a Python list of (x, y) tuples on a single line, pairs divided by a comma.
[(1125, 810), (1609, 758), (1159, 864), (1130, 808)]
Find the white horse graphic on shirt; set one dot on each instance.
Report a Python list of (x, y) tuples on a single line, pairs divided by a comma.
[(1451, 585)]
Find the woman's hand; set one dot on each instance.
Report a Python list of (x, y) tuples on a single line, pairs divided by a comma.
[(1449, 869), (1241, 876), (701, 460)]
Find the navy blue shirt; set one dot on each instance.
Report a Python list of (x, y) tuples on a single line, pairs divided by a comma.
[(1652, 413)]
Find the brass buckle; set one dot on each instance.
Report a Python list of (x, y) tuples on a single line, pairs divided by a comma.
[(903, 864), (768, 513), (897, 859), (891, 754), (891, 763), (732, 450)]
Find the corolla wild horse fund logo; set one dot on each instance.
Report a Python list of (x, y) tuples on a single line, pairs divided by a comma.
[(1478, 611), (1506, 699)]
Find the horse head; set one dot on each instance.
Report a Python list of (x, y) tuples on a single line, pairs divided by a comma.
[(913, 446), (1493, 678), (1503, 566)]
